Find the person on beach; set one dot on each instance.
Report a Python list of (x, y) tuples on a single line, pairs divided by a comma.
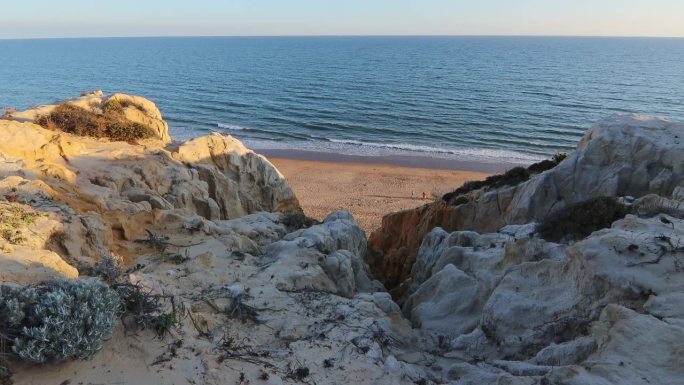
[(424, 195)]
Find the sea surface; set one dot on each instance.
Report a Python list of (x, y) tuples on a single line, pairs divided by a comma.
[(490, 99)]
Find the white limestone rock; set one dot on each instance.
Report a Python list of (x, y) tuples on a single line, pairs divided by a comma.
[(449, 302), (623, 155), (632, 348)]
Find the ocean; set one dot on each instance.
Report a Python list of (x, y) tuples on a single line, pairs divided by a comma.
[(487, 99)]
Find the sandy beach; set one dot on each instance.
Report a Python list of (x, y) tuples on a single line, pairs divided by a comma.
[(368, 190)]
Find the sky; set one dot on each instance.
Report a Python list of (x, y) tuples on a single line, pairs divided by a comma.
[(87, 18)]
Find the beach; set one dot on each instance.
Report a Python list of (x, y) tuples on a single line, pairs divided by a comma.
[(367, 189)]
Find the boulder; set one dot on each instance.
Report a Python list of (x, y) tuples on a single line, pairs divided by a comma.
[(325, 257)]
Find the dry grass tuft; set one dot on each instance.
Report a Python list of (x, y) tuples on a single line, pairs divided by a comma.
[(110, 124)]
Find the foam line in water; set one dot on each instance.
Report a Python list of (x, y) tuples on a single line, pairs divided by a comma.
[(359, 148), (231, 127)]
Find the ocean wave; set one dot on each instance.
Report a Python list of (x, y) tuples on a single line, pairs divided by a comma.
[(361, 148), (459, 152), (231, 127)]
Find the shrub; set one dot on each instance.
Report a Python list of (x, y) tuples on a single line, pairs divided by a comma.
[(127, 130), (295, 220), (111, 124), (113, 107), (140, 309), (460, 200), (559, 157), (108, 267), (577, 221), (74, 120), (511, 177), (540, 167), (57, 320)]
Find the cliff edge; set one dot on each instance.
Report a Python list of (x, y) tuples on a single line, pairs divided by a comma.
[(146, 261), (624, 155)]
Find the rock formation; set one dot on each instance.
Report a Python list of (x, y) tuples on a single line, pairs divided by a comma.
[(213, 226), (252, 292), (624, 155), (135, 108)]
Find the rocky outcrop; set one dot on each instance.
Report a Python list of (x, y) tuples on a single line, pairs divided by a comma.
[(140, 110), (210, 224), (252, 293), (109, 191), (624, 155), (537, 311)]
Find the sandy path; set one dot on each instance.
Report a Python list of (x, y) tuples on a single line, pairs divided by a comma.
[(369, 191)]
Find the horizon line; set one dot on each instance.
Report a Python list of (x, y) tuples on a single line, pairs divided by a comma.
[(336, 35)]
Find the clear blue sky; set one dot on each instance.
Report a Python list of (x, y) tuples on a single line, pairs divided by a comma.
[(77, 18)]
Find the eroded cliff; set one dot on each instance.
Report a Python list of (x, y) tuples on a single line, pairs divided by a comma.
[(624, 155), (245, 289)]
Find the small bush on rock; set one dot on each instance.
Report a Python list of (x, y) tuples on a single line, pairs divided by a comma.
[(126, 130), (511, 177), (577, 221), (559, 157), (79, 121), (58, 320), (540, 167), (295, 220), (113, 107), (108, 267), (74, 120)]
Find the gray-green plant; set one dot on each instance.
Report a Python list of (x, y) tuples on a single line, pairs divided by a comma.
[(58, 320), (108, 267)]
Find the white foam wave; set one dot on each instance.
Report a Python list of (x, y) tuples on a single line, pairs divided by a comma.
[(355, 147), (231, 127), (458, 152)]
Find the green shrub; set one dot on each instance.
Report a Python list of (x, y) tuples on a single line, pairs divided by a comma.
[(559, 157), (577, 221), (111, 124), (54, 321)]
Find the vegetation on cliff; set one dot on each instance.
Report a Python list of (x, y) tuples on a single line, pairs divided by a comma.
[(55, 321), (578, 220), (111, 123), (511, 177)]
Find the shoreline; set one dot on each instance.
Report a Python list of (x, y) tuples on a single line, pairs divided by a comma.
[(406, 161), (369, 190)]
